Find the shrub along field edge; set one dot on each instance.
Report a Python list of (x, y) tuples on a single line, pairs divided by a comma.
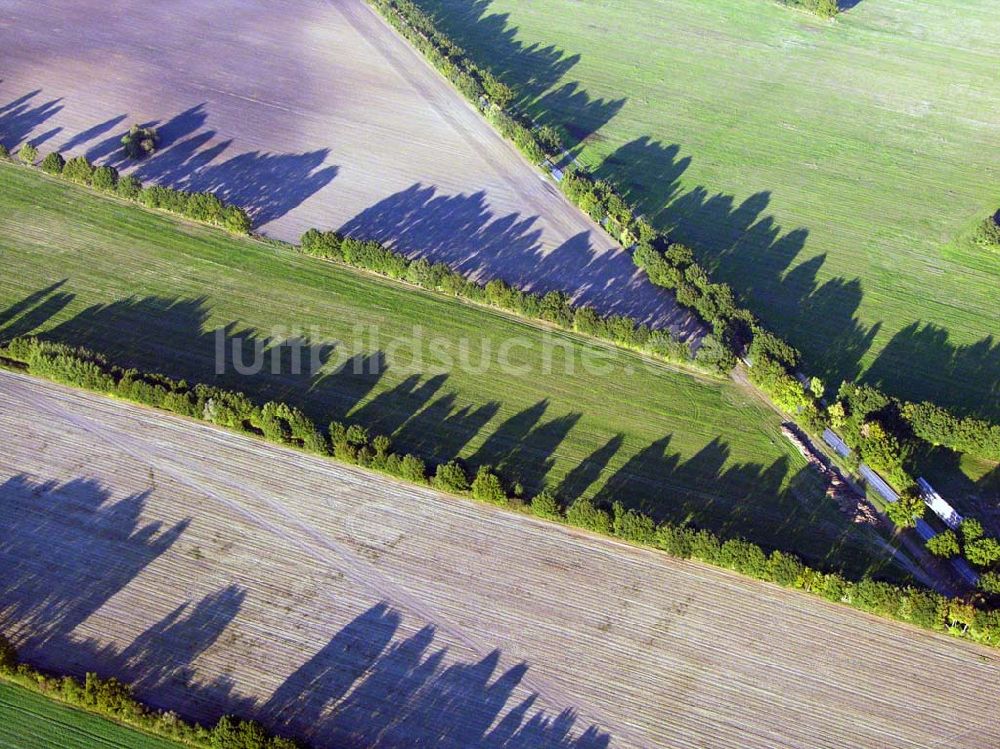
[(113, 700), (350, 443)]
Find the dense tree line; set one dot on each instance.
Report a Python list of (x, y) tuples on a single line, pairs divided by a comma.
[(198, 206), (352, 443), (113, 699), (736, 333), (972, 544), (554, 307), (906, 422)]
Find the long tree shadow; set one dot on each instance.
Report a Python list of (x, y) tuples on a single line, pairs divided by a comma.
[(175, 337), (326, 379), (339, 696), (189, 157), (20, 117), (522, 446), (532, 70), (965, 376), (463, 232), (68, 548), (774, 509)]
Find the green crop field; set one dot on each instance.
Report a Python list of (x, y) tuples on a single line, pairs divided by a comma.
[(151, 292), (832, 172), (31, 721)]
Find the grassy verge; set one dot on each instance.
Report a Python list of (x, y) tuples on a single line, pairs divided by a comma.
[(33, 721), (150, 292)]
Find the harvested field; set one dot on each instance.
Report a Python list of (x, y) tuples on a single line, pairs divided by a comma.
[(556, 411), (830, 171), (31, 721), (307, 113), (218, 572)]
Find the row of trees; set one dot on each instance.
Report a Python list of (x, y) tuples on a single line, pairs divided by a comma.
[(735, 330), (888, 431), (352, 443), (111, 698), (554, 307), (198, 206)]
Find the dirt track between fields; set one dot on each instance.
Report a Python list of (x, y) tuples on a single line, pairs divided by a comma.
[(218, 572), (309, 113)]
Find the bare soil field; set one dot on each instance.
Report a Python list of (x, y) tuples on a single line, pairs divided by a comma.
[(222, 573), (307, 113)]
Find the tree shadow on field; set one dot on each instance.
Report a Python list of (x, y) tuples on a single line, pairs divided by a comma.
[(20, 117), (34, 311), (744, 247), (372, 686), (462, 231), (765, 504), (522, 446), (92, 132), (190, 157), (67, 549), (326, 379), (532, 70), (966, 377)]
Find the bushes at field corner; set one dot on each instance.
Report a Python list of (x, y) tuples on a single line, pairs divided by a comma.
[(988, 232)]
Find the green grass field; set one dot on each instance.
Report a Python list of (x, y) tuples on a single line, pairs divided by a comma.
[(31, 721), (831, 172), (151, 291)]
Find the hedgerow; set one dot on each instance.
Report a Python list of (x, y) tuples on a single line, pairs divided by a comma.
[(198, 206), (554, 307), (113, 699), (352, 443)]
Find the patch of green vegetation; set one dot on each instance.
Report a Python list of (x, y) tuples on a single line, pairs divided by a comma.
[(31, 721), (581, 418), (827, 171)]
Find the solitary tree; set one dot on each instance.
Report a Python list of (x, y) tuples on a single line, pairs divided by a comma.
[(140, 142), (827, 8)]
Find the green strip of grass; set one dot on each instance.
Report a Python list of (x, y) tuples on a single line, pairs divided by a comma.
[(32, 721), (149, 291)]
